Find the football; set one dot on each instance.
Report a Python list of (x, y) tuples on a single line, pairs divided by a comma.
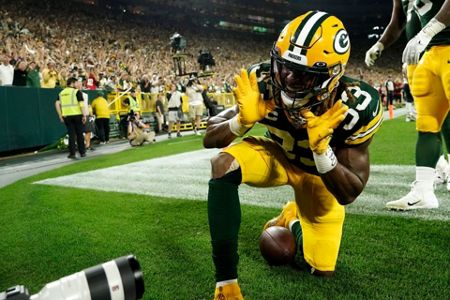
[(277, 246)]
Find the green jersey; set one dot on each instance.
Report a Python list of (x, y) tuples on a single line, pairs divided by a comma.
[(413, 25), (426, 10), (363, 119)]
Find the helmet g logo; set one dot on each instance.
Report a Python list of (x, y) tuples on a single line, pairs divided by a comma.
[(341, 42)]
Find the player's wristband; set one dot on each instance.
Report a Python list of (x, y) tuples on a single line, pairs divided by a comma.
[(236, 127), (326, 161), (432, 28)]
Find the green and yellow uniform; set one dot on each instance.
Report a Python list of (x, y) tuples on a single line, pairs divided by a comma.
[(284, 158), (412, 26), (430, 85)]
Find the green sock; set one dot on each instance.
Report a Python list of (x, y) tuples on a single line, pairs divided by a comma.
[(445, 131), (428, 149), (224, 216), (296, 230)]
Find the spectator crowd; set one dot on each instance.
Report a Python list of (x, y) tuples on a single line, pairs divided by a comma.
[(42, 44)]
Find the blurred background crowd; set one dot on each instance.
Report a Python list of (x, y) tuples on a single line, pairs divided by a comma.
[(47, 42)]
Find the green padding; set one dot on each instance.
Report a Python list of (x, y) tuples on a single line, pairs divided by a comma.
[(29, 117)]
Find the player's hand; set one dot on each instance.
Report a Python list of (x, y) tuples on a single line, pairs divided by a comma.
[(415, 46), (320, 128), (252, 107), (374, 53), (419, 43)]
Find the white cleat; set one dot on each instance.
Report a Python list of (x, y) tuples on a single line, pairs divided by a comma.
[(418, 198), (442, 170)]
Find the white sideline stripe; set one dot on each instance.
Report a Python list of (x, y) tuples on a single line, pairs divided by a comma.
[(186, 175)]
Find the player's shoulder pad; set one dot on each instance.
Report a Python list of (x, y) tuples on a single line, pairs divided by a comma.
[(365, 113)]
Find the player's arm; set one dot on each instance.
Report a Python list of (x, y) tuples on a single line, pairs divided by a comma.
[(348, 179), (443, 14), (344, 170), (390, 34), (395, 26), (218, 133)]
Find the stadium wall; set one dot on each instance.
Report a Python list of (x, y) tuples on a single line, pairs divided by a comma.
[(29, 118)]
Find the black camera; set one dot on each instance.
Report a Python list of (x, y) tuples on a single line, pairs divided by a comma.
[(205, 60), (119, 279), (178, 43), (131, 117)]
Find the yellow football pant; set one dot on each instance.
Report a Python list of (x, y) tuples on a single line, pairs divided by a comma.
[(263, 164), (430, 87)]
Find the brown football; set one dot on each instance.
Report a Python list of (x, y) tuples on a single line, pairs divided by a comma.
[(277, 245)]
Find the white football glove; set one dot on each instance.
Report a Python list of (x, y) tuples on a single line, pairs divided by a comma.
[(419, 43), (374, 53)]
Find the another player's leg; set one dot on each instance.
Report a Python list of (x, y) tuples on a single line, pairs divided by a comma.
[(445, 131), (432, 107)]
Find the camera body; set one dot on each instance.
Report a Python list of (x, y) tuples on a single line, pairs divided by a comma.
[(205, 60), (118, 279), (177, 42), (131, 116), (18, 292)]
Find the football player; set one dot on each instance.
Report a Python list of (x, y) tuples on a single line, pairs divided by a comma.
[(411, 15), (320, 124)]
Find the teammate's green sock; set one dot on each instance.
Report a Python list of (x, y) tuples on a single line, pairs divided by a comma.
[(428, 149), (224, 215)]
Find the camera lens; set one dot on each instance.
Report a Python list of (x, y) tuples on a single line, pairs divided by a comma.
[(134, 281), (118, 279), (122, 276)]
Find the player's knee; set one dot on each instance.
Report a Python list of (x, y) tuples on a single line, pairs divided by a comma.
[(222, 164), (427, 124), (421, 86)]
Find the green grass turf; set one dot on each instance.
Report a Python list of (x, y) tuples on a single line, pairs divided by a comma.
[(47, 232)]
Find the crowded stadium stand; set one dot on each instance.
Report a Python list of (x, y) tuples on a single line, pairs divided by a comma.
[(119, 46)]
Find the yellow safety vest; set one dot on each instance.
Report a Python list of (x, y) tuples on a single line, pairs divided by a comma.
[(69, 102), (134, 106)]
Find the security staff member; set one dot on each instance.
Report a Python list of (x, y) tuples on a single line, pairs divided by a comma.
[(131, 102), (71, 113)]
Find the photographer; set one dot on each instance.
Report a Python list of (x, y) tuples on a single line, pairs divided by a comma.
[(138, 132)]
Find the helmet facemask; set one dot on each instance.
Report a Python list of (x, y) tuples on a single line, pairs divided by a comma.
[(301, 87)]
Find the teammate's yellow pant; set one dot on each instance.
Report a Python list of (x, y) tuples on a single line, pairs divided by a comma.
[(263, 164), (430, 87)]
